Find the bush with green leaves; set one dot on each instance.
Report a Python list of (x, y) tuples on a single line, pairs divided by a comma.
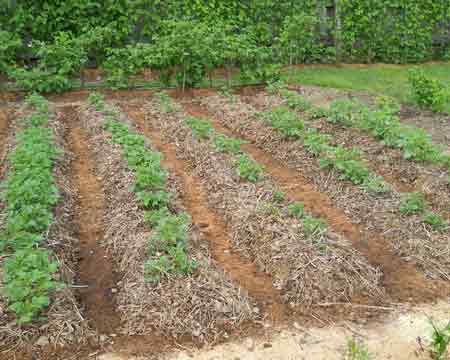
[(428, 93), (30, 193), (168, 253)]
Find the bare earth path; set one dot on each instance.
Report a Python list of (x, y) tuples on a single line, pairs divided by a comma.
[(96, 270)]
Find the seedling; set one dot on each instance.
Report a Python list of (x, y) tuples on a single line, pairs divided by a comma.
[(436, 221), (228, 145), (165, 101), (413, 203), (98, 100), (440, 342), (279, 196), (297, 210), (249, 169), (285, 121), (357, 350), (313, 226), (202, 129)]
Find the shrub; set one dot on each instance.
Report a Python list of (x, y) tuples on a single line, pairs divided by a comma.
[(426, 92)]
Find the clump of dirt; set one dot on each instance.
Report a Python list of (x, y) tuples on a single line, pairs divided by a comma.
[(65, 324), (203, 307), (377, 214), (304, 269)]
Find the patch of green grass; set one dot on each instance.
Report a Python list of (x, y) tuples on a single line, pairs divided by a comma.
[(384, 79)]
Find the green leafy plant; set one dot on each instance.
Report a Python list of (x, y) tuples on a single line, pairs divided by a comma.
[(202, 129), (297, 210), (29, 280), (440, 341), (165, 101), (30, 194), (279, 196), (357, 350), (313, 226), (249, 169), (412, 203), (98, 100), (435, 221), (285, 121), (295, 101), (426, 92), (227, 144)]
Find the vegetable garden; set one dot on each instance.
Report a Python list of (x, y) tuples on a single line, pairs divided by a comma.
[(137, 222)]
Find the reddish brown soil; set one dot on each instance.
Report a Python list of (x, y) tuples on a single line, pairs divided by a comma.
[(245, 273), (95, 268), (401, 279)]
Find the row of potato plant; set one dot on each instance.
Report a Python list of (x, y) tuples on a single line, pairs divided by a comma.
[(167, 248), (249, 170), (384, 124), (30, 195), (348, 162)]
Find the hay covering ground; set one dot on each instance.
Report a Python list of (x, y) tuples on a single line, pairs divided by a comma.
[(306, 270), (408, 236), (203, 306)]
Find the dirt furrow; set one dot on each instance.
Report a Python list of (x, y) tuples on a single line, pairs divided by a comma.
[(96, 275), (401, 279), (245, 273)]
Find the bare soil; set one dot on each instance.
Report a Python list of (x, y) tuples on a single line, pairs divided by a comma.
[(96, 275)]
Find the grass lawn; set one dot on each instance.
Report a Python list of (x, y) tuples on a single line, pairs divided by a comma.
[(384, 79)]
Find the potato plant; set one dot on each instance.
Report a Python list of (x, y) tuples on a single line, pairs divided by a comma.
[(384, 124), (30, 194), (167, 249)]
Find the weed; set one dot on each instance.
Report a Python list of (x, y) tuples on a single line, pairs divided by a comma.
[(313, 226), (202, 129), (297, 210), (440, 342), (249, 169), (357, 351), (228, 145), (412, 203), (279, 196), (436, 221)]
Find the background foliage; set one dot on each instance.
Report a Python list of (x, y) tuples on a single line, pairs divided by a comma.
[(187, 39)]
